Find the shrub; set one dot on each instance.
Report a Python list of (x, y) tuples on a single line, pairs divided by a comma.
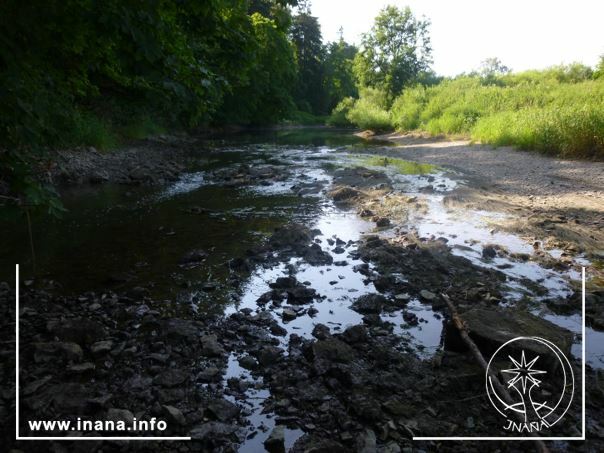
[(338, 117)]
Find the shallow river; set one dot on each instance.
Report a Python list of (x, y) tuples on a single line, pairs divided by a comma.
[(119, 238)]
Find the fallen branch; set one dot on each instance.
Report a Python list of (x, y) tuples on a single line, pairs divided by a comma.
[(463, 331)]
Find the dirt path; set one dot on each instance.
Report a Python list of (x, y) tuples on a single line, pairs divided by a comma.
[(552, 199)]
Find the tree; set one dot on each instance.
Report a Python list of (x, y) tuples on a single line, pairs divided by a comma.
[(395, 52), (493, 67), (599, 71), (307, 39), (339, 79)]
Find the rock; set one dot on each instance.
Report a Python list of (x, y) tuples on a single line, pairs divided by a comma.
[(288, 314), (331, 350), (489, 252), (77, 330), (174, 414), (101, 347), (381, 222), (210, 374), (223, 410), (82, 367), (210, 346), (369, 303), (316, 256), (117, 415), (248, 362), (49, 352), (321, 332), (427, 295), (212, 432), (193, 257), (490, 328), (402, 297), (179, 329), (367, 442), (284, 283), (275, 443), (300, 295), (34, 386), (269, 355), (294, 236), (355, 334), (170, 378), (344, 194), (410, 318)]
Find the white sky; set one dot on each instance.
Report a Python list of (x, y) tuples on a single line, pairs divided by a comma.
[(524, 34)]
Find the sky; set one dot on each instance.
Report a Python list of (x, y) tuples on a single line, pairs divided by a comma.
[(523, 34)]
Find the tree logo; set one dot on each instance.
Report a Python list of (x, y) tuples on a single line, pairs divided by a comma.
[(539, 382)]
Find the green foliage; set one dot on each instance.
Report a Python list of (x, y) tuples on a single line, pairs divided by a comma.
[(395, 52), (310, 54), (339, 81), (370, 111), (339, 115)]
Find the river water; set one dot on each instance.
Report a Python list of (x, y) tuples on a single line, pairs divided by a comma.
[(119, 238)]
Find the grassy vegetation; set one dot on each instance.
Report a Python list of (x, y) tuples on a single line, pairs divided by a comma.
[(559, 111)]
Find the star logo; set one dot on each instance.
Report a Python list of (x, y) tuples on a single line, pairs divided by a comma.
[(523, 372)]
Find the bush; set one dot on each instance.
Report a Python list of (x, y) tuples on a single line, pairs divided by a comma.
[(370, 111), (556, 111), (339, 115)]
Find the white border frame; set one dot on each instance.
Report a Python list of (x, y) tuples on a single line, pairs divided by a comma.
[(583, 357), (17, 436)]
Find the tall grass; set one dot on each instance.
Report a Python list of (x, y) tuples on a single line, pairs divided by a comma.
[(559, 111)]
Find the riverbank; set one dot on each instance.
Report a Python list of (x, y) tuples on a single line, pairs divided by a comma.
[(553, 200)]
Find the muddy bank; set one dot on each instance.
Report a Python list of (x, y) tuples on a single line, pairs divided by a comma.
[(547, 197)]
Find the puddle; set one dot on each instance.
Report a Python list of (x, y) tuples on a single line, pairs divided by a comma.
[(261, 423)]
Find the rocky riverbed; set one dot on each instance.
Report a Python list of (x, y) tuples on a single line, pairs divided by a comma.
[(302, 310)]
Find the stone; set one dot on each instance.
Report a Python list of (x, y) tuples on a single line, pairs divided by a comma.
[(275, 443), (489, 252), (193, 257), (367, 442), (174, 414), (331, 350), (82, 367), (369, 303), (269, 355), (427, 295), (223, 410), (101, 347), (34, 386), (355, 334), (490, 328), (321, 332), (212, 431), (381, 222), (210, 346), (248, 362), (77, 330), (170, 378), (288, 314), (117, 415), (51, 351)]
